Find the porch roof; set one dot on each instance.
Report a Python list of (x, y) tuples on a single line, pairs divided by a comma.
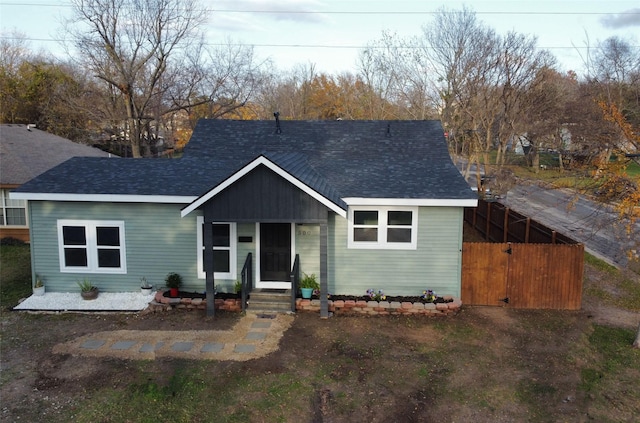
[(291, 166)]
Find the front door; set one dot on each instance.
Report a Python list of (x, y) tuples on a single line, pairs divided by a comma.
[(275, 252)]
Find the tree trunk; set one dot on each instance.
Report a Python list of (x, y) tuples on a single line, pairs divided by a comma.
[(636, 343), (536, 160), (135, 139)]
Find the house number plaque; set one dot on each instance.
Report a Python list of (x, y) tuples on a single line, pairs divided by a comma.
[(306, 230)]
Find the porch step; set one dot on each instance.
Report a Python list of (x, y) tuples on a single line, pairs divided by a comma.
[(278, 300)]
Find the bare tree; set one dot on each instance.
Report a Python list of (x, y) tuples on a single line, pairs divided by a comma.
[(381, 66), (211, 83), (520, 71), (130, 44), (458, 50)]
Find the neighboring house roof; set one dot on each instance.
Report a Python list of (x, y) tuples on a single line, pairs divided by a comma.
[(346, 162), (26, 152)]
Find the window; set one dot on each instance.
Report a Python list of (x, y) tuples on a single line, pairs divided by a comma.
[(91, 246), (224, 249), (383, 228), (12, 212)]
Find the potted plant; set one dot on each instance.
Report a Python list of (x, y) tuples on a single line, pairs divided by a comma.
[(145, 287), (38, 287), (173, 282), (87, 290), (308, 284)]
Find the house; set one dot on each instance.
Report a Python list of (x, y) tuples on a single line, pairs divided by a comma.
[(362, 204), (26, 152)]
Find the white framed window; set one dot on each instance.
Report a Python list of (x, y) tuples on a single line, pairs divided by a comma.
[(392, 228), (12, 212), (91, 246), (224, 249)]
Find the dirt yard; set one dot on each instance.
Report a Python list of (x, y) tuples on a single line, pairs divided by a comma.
[(483, 365)]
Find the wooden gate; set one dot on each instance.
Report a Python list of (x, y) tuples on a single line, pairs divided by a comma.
[(522, 275)]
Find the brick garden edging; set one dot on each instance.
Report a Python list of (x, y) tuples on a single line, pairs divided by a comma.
[(382, 308), (344, 307), (162, 303)]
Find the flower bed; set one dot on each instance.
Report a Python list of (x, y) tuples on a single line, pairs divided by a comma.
[(194, 301), (442, 306), (338, 304)]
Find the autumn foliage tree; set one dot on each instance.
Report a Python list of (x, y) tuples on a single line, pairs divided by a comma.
[(619, 187)]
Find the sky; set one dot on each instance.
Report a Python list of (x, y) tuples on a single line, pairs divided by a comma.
[(330, 33)]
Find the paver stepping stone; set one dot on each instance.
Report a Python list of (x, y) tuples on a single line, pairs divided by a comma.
[(123, 345), (212, 347), (244, 348), (182, 346), (92, 344), (256, 336), (261, 325), (151, 347)]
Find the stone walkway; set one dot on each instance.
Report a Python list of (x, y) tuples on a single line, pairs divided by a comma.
[(255, 335)]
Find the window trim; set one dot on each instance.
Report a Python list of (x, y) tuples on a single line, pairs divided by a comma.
[(92, 246), (233, 250), (382, 226)]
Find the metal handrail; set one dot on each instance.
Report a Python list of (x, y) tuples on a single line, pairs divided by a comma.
[(247, 279), (295, 279)]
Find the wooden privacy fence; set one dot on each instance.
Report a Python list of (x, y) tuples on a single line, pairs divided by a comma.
[(527, 266), (498, 223), (522, 275)]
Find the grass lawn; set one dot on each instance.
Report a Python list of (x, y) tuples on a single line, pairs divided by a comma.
[(633, 170), (15, 274)]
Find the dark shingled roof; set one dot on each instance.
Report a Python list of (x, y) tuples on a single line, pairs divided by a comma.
[(27, 152), (376, 159), (338, 159)]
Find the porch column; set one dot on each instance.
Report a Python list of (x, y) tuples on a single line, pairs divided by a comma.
[(208, 266), (324, 286)]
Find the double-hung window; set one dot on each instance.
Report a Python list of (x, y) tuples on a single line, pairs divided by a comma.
[(91, 246), (383, 227), (224, 249), (12, 212)]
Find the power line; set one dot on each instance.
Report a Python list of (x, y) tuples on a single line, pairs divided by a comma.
[(322, 46), (366, 12)]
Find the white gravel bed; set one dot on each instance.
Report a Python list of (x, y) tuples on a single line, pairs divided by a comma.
[(106, 301)]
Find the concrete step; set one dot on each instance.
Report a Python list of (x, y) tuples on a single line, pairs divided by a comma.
[(278, 300)]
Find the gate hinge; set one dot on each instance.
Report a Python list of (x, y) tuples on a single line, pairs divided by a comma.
[(508, 250), (505, 300)]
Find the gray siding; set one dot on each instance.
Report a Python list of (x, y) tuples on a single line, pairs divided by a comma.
[(244, 248), (157, 242), (435, 264), (308, 247)]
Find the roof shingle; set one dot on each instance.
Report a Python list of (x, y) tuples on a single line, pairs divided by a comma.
[(26, 152), (339, 159)]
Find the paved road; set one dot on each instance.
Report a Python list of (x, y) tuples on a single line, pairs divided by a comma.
[(594, 224)]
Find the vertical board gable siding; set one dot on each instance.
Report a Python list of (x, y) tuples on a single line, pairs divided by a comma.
[(264, 196), (435, 264), (157, 242)]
